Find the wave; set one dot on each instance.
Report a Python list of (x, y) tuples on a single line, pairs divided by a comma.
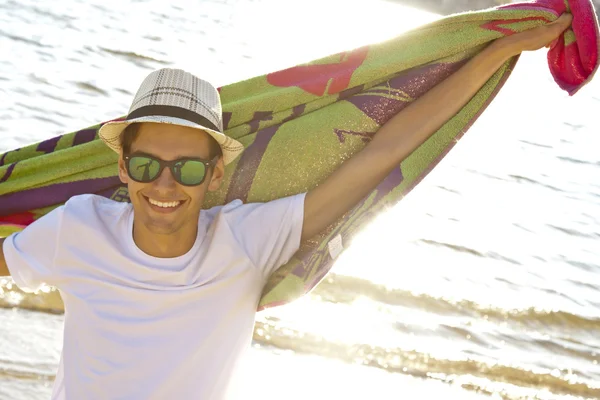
[(574, 232), (485, 175), (130, 55), (545, 146), (468, 250), (91, 88), (347, 289), (422, 365), (523, 179), (47, 301), (583, 265), (24, 40), (22, 371), (577, 161)]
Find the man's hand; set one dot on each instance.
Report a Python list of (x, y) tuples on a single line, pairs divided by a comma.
[(407, 130), (536, 38), (3, 266)]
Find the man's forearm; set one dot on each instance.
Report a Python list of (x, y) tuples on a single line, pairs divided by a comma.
[(404, 132), (397, 138)]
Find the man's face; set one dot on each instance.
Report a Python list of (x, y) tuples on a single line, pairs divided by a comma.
[(170, 142)]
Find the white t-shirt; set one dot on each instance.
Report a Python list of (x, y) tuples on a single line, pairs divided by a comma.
[(140, 327)]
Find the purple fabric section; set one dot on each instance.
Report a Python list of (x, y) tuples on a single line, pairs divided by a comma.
[(413, 83), (242, 178), (48, 146), (110, 193), (296, 112), (6, 154), (226, 119), (32, 199), (8, 173), (259, 116), (391, 181), (84, 136), (351, 92), (365, 136)]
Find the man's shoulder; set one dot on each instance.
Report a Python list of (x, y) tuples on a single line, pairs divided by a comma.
[(85, 201), (237, 209), (88, 207), (222, 209)]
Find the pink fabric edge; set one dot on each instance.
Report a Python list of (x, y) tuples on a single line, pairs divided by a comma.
[(581, 4), (597, 36)]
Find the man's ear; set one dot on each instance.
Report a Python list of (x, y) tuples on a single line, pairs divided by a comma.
[(123, 176), (218, 173)]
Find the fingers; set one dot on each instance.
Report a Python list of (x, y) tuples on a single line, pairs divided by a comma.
[(558, 26), (563, 22)]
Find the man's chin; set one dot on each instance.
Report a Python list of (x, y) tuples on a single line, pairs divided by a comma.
[(162, 224), (161, 227)]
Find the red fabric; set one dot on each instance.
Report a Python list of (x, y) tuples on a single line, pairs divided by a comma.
[(317, 79), (573, 65), (23, 219)]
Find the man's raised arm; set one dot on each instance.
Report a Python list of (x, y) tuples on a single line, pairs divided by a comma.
[(406, 131)]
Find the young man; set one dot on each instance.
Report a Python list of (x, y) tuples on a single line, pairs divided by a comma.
[(160, 297)]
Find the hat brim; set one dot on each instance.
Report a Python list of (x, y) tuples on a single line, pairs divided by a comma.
[(110, 133)]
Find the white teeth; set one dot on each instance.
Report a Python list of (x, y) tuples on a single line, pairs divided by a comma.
[(164, 205)]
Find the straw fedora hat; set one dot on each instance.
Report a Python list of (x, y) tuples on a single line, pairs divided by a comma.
[(174, 96)]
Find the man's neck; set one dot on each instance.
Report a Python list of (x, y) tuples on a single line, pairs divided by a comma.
[(163, 246)]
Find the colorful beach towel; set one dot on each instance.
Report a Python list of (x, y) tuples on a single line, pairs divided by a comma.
[(298, 125)]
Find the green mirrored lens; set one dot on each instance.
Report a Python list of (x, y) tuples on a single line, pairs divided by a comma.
[(190, 172), (143, 169)]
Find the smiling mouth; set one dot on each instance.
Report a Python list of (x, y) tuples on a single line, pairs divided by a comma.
[(163, 206)]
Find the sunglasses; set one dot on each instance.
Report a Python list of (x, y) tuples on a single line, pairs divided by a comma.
[(187, 171)]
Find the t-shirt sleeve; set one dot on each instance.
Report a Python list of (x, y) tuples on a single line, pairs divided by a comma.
[(270, 232), (30, 253)]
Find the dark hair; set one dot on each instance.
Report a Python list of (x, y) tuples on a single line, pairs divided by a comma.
[(131, 133)]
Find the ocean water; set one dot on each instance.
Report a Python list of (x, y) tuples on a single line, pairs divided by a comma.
[(483, 283)]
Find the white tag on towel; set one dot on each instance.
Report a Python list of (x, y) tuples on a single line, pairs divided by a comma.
[(335, 246)]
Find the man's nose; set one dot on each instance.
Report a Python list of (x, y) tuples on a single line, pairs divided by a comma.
[(165, 180)]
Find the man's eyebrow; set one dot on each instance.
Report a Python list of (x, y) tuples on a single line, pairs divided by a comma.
[(179, 156), (144, 153)]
